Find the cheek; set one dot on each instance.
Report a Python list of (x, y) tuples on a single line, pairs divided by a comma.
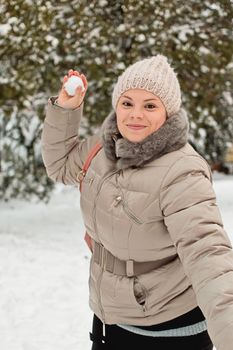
[(158, 122), (161, 122), (119, 118), (119, 124)]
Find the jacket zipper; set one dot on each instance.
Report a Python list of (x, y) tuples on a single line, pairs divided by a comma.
[(120, 199), (96, 197), (131, 215), (95, 228), (100, 305)]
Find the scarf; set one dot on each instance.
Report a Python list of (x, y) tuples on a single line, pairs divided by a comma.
[(171, 136)]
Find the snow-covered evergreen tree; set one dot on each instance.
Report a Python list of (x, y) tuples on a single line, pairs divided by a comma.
[(41, 40)]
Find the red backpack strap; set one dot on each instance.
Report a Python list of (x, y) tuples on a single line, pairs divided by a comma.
[(94, 150)]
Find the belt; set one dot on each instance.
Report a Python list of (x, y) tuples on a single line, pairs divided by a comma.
[(129, 268)]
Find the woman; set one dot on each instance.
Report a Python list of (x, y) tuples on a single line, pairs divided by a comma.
[(161, 271)]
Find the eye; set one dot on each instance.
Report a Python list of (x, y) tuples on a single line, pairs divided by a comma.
[(126, 104), (150, 106)]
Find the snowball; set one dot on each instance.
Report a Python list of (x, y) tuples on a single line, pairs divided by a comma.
[(72, 83)]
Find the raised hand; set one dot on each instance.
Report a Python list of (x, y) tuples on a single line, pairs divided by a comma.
[(72, 102)]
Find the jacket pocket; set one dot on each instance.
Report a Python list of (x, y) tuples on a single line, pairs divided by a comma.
[(118, 296), (140, 293), (131, 215), (143, 215), (125, 296)]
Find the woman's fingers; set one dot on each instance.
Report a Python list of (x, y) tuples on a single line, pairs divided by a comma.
[(70, 72), (63, 91), (78, 92), (63, 94), (73, 72), (65, 78), (84, 81)]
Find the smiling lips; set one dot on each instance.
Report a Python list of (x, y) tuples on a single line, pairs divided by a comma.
[(136, 126)]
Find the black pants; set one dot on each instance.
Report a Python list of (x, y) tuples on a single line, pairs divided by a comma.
[(118, 339)]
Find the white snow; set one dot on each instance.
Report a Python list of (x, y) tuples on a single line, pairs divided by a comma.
[(103, 3), (98, 61), (228, 97), (51, 39), (121, 28), (44, 270), (204, 50), (120, 66), (44, 275), (72, 83), (4, 29), (141, 38)]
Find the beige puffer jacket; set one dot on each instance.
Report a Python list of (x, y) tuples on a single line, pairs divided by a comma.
[(164, 211)]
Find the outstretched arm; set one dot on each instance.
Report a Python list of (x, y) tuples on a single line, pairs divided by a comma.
[(193, 220), (63, 152)]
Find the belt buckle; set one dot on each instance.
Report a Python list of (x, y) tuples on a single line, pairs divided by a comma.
[(103, 258)]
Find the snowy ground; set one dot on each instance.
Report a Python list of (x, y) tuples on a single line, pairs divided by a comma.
[(44, 270)]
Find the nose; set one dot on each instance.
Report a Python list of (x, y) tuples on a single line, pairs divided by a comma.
[(136, 113)]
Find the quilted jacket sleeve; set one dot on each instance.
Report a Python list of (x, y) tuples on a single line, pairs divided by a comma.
[(193, 220), (63, 152)]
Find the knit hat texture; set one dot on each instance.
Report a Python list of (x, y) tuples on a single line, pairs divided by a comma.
[(153, 74)]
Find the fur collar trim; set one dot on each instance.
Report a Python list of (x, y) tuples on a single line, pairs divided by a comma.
[(171, 136)]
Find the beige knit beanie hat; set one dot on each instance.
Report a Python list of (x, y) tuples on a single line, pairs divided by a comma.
[(155, 75)]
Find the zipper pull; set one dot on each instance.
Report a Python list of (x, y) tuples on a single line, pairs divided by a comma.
[(118, 199), (104, 333)]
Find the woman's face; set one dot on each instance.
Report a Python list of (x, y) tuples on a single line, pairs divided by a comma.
[(139, 114)]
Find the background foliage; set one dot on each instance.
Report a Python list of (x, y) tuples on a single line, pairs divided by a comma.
[(41, 40)]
